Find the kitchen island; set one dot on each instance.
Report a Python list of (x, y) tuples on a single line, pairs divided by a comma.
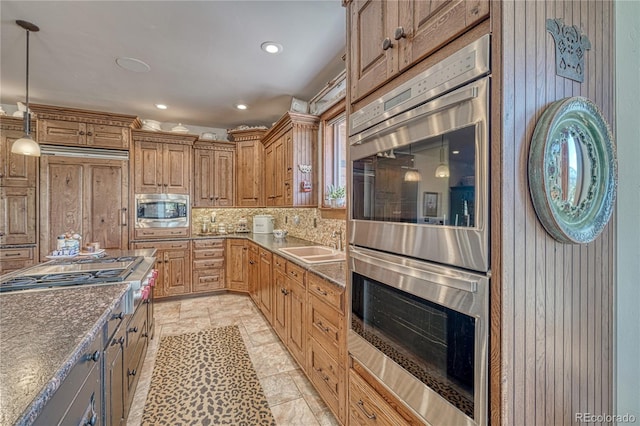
[(45, 334)]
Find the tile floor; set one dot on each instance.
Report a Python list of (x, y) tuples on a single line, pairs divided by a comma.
[(292, 398)]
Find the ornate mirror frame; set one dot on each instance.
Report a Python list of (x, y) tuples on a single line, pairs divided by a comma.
[(573, 170)]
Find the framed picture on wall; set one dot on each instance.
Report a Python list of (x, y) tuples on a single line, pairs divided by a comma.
[(430, 204)]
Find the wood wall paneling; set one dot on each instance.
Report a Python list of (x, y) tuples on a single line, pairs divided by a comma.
[(557, 320)]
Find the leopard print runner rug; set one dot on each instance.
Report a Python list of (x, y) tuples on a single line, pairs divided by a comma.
[(205, 378)]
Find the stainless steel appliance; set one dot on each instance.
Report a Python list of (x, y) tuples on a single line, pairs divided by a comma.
[(162, 210), (419, 164), (419, 239), (136, 270), (422, 329)]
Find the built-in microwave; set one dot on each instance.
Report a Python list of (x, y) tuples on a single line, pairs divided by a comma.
[(162, 210)]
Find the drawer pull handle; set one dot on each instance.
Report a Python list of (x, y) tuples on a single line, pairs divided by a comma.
[(133, 330), (321, 326), (118, 316), (323, 376), (364, 410), (119, 341), (321, 291), (131, 372), (95, 356), (294, 273), (11, 254)]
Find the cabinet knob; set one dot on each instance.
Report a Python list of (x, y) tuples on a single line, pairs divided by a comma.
[(159, 184), (166, 184), (95, 356), (118, 316), (399, 33), (387, 44), (81, 133), (91, 134)]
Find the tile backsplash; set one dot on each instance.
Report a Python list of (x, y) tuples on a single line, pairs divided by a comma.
[(306, 223)]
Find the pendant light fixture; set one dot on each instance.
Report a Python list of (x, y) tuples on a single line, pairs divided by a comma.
[(412, 174), (443, 169), (26, 145)]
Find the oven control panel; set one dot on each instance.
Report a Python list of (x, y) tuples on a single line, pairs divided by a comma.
[(467, 64)]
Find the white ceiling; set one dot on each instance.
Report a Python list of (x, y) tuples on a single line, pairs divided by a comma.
[(205, 56)]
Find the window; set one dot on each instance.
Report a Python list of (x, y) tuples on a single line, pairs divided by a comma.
[(334, 130)]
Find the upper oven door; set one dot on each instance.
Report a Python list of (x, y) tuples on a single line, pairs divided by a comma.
[(420, 181)]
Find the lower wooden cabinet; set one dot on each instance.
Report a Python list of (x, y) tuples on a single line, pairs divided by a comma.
[(208, 265), (236, 259), (253, 271), (265, 284), (17, 215), (12, 259), (371, 404), (173, 262)]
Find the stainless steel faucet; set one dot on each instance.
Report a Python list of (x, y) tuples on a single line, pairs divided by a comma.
[(338, 245)]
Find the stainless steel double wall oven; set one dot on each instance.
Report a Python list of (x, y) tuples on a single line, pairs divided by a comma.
[(419, 238)]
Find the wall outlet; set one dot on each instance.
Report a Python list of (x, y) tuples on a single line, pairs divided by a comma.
[(315, 222)]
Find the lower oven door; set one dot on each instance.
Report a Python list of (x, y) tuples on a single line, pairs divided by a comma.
[(422, 330)]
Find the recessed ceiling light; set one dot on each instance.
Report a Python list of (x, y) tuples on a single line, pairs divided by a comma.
[(132, 64), (161, 106), (455, 152), (241, 106), (271, 47)]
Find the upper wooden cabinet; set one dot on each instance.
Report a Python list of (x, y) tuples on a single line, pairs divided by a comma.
[(161, 162), (387, 37), (15, 169), (249, 167), (69, 126), (214, 169), (290, 161)]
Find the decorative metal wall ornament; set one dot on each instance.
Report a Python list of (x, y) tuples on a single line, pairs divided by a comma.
[(573, 170), (571, 46)]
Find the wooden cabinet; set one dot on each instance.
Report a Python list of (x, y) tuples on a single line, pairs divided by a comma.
[(208, 265), (14, 258), (15, 169), (290, 145), (69, 126), (280, 314), (114, 407), (237, 259), (387, 37), (327, 344), (370, 403), (161, 162), (173, 262), (253, 272), (135, 348), (214, 168), (249, 167), (83, 195), (18, 203), (265, 284), (18, 214)]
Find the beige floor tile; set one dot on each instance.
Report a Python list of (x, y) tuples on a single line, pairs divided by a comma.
[(279, 388), (294, 413), (263, 337)]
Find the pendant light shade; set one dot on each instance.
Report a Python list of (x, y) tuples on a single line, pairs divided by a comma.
[(443, 169), (26, 145), (412, 175)]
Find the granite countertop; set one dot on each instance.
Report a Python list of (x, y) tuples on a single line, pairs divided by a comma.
[(43, 334)]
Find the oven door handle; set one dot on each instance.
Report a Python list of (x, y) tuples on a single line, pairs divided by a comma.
[(465, 283), (431, 107)]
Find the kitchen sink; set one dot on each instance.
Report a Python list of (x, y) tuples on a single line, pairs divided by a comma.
[(314, 254)]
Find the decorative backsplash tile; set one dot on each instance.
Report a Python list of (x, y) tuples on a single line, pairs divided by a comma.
[(299, 222)]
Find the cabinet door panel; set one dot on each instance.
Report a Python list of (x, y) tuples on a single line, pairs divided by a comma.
[(18, 213), (280, 304), (237, 265), (148, 164), (177, 269), (104, 136), (296, 337), (223, 178), (269, 176), (177, 169), (15, 169), (203, 191), (249, 174), (59, 132), (107, 220), (279, 172)]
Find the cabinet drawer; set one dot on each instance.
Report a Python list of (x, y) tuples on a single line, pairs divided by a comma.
[(208, 264), (217, 253), (367, 407), (296, 273), (164, 245), (327, 327), (279, 263), (24, 253), (208, 279), (161, 233), (330, 293), (212, 243), (328, 378)]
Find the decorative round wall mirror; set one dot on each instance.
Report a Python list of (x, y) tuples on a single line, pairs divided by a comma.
[(573, 170)]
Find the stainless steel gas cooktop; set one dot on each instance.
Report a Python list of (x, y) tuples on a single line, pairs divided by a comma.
[(69, 272)]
